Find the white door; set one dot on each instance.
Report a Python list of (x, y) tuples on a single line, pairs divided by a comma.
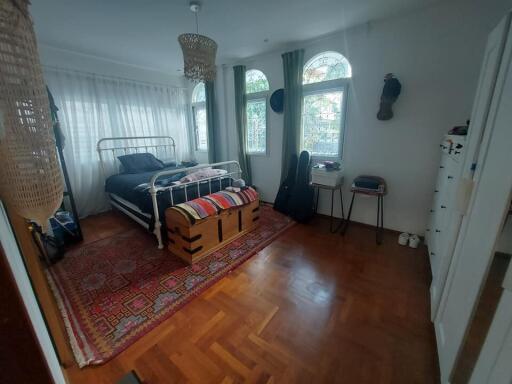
[(487, 208)]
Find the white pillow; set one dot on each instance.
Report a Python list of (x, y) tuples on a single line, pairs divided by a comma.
[(202, 174)]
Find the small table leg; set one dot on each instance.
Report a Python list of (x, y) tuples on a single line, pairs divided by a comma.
[(317, 196), (341, 202), (347, 222), (334, 230), (380, 219)]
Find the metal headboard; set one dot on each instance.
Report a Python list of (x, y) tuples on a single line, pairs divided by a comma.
[(163, 147)]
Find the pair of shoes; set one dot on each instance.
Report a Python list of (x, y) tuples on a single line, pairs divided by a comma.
[(406, 239)]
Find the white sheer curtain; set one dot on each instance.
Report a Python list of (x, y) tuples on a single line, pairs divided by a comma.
[(92, 107)]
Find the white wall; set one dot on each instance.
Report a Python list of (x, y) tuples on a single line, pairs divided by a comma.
[(265, 169), (436, 53), (55, 57)]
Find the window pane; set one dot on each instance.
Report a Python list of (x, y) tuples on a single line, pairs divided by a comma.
[(326, 66), (255, 81), (199, 93), (257, 126), (321, 123), (201, 128)]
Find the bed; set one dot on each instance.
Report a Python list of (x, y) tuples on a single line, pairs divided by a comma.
[(144, 196)]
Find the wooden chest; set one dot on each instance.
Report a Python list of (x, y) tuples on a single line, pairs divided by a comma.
[(191, 242)]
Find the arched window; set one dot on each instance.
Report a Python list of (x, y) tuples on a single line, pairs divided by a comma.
[(255, 81), (199, 94), (256, 90), (326, 66), (325, 80), (199, 116)]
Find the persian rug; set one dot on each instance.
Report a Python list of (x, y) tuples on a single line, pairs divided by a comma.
[(113, 291)]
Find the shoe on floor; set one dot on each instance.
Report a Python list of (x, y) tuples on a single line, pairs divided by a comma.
[(414, 241), (403, 238)]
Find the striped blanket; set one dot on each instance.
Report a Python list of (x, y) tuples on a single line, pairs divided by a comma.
[(212, 204)]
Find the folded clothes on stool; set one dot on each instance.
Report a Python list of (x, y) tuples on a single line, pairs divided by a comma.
[(367, 182)]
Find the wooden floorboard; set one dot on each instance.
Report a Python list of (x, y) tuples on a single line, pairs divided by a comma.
[(312, 307)]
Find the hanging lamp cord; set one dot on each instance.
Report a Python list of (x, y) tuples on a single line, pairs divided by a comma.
[(197, 22)]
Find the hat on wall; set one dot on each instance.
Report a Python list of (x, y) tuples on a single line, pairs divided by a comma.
[(277, 101)]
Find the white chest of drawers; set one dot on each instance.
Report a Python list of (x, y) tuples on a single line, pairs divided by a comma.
[(445, 219)]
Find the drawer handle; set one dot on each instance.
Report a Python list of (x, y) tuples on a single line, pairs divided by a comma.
[(427, 230), (437, 230), (432, 253), (443, 206), (436, 191), (431, 211), (441, 166), (450, 177)]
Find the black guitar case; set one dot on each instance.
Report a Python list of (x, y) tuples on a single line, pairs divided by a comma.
[(285, 190), (301, 204)]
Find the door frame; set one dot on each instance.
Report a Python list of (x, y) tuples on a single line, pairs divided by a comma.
[(493, 364), (488, 207), (20, 274)]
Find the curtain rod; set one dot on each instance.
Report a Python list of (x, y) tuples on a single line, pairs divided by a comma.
[(110, 77)]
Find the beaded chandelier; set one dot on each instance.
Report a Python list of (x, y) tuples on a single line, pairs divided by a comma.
[(198, 53)]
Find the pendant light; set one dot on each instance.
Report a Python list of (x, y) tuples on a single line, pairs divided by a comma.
[(198, 52), (31, 181)]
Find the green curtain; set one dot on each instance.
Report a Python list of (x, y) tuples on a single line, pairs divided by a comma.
[(211, 118), (241, 122), (293, 63)]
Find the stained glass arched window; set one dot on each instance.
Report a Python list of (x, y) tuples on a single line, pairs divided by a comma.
[(255, 81), (326, 66)]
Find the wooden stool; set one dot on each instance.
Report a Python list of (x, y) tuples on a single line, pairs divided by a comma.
[(371, 186)]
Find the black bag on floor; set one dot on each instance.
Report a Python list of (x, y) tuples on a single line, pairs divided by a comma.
[(301, 203), (285, 190)]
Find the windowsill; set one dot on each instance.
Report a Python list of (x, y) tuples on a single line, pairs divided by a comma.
[(319, 158), (258, 154)]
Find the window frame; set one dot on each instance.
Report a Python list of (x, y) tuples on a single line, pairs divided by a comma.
[(258, 96), (195, 105), (320, 87), (263, 95)]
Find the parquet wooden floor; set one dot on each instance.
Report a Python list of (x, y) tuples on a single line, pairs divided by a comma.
[(312, 307)]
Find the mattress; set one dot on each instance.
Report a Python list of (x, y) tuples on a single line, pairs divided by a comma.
[(134, 188)]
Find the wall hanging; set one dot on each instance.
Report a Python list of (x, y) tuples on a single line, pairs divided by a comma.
[(277, 101), (30, 173), (392, 88)]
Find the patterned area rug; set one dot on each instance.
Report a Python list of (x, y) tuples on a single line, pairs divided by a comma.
[(114, 291)]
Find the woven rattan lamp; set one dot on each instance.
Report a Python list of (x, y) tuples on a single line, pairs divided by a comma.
[(31, 181), (198, 53)]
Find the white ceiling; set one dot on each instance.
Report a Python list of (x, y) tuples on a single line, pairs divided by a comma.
[(144, 32)]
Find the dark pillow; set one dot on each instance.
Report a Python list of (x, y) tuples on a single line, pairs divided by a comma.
[(140, 162)]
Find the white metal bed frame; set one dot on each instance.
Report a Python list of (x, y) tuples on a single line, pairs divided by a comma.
[(110, 147)]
